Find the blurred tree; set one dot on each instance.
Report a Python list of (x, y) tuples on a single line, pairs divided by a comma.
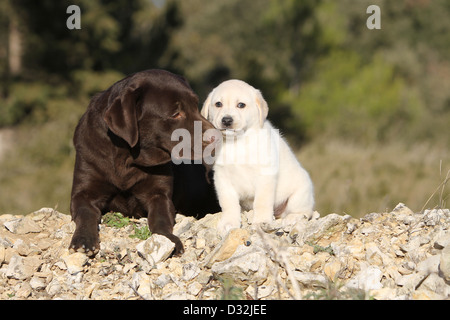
[(270, 44), (124, 35), (10, 46), (116, 38), (415, 39), (323, 73), (355, 100)]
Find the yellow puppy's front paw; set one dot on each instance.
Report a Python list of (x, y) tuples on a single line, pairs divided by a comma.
[(226, 224)]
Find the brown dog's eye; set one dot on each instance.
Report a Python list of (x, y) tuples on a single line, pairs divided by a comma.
[(218, 104), (241, 105), (177, 115)]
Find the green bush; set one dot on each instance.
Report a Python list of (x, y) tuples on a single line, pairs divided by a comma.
[(27, 99), (354, 99), (88, 83)]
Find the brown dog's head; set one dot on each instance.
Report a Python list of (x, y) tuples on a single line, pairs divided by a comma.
[(144, 110)]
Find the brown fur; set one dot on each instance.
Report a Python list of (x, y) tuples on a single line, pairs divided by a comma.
[(123, 156)]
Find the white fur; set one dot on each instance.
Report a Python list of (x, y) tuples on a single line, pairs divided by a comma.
[(255, 168)]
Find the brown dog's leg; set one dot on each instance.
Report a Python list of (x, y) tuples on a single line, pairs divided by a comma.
[(161, 218), (87, 218)]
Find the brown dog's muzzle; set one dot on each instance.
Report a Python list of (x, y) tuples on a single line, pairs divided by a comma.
[(211, 140)]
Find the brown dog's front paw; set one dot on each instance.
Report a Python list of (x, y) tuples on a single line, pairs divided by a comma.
[(86, 242), (179, 248)]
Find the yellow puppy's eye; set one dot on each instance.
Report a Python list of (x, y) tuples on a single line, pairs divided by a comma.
[(218, 104), (241, 105)]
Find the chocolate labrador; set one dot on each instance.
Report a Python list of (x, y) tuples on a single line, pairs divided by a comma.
[(123, 157)]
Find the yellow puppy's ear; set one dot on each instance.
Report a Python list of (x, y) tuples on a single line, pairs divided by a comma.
[(205, 109), (263, 108)]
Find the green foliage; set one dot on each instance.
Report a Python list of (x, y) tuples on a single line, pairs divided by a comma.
[(142, 233), (115, 220), (317, 248), (229, 290), (336, 291), (88, 83), (26, 100), (354, 100)]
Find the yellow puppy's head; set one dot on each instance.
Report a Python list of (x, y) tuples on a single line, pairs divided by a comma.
[(235, 106)]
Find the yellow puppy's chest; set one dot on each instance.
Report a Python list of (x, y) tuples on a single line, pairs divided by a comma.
[(243, 164)]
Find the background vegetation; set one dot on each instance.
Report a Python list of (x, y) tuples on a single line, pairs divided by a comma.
[(368, 110)]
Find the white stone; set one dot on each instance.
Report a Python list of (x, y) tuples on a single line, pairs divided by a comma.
[(435, 284), (444, 265), (178, 296), (384, 294), (22, 226), (145, 288), (162, 280), (304, 231), (442, 241), (190, 271), (367, 279), (37, 283), (194, 288), (183, 226), (54, 287), (24, 291), (156, 249), (310, 279), (260, 292), (228, 246), (246, 264), (2, 254), (410, 281), (402, 209), (430, 265), (21, 268), (433, 217), (395, 252), (75, 262), (200, 243)]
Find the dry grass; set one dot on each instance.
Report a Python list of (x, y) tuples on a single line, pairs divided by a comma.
[(357, 180), (348, 178)]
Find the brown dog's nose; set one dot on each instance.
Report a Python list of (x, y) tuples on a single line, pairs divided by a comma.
[(227, 121), (212, 135)]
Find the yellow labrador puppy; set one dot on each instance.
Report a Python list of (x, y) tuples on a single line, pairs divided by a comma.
[(255, 167)]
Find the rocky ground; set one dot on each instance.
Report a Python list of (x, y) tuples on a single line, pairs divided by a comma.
[(392, 255)]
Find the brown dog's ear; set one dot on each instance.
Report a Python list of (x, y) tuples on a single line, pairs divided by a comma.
[(205, 109), (122, 114), (263, 108)]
